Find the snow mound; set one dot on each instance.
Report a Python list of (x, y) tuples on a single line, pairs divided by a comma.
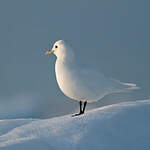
[(124, 126)]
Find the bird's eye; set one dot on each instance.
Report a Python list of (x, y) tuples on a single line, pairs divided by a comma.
[(56, 46)]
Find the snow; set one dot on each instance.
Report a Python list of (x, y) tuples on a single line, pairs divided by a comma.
[(118, 127)]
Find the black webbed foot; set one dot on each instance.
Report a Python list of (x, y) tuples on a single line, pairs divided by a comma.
[(81, 111), (77, 114)]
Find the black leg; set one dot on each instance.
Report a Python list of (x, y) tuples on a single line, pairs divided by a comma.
[(80, 103), (84, 106), (81, 111)]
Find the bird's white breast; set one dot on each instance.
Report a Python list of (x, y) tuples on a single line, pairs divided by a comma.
[(67, 79)]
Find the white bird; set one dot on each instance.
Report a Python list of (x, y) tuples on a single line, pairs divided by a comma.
[(80, 84)]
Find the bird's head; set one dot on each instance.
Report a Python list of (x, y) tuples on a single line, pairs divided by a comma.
[(61, 50)]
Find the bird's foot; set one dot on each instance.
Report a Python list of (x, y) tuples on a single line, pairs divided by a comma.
[(81, 113)]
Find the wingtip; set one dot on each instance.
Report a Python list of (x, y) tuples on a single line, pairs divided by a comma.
[(132, 86)]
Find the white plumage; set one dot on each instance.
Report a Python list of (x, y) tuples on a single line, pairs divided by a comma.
[(82, 84)]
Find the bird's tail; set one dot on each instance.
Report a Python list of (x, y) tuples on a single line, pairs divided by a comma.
[(123, 87), (130, 86)]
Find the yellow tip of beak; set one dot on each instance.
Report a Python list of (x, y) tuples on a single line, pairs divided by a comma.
[(48, 52)]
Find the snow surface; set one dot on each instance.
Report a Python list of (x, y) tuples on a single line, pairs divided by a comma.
[(124, 126)]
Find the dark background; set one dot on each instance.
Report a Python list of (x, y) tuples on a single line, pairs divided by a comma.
[(112, 36)]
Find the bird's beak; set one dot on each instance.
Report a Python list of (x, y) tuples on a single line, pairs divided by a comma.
[(49, 52)]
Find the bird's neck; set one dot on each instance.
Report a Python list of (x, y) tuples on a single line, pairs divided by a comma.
[(67, 57), (67, 61)]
